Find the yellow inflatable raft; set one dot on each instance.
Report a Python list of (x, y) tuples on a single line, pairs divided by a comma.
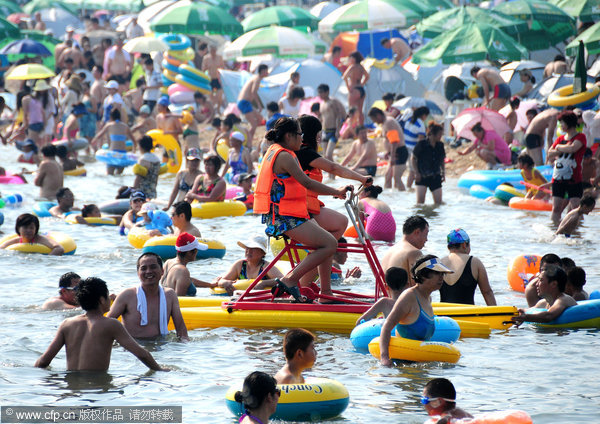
[(67, 243), (209, 210), (171, 146), (223, 149), (417, 350), (77, 172), (564, 96), (91, 220)]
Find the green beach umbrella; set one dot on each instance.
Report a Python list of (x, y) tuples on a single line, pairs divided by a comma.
[(591, 39), (585, 10), (543, 36), (437, 4), (411, 9), (287, 16), (534, 10), (470, 43), (9, 30), (36, 5), (8, 7), (274, 40), (363, 15), (580, 78), (447, 20), (188, 17)]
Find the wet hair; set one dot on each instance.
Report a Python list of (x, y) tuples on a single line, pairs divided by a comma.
[(396, 278), (61, 192), (148, 61), (26, 219), (388, 96), (357, 56), (587, 200), (294, 75), (262, 67), (215, 160), (434, 129), (373, 191), (315, 107), (587, 154), (115, 114), (62, 152), (525, 160), (474, 70), (140, 81), (297, 93), (515, 102), (556, 273), (257, 386), (567, 263), (145, 143), (375, 111), (86, 210), (442, 388), (576, 277), (413, 223), (273, 107), (323, 87), (198, 95), (533, 111), (294, 339), (420, 111), (569, 118), (549, 259), (310, 127), (477, 128), (422, 273), (49, 150), (183, 208), (384, 40), (216, 122), (152, 254), (559, 57), (66, 278), (336, 49), (89, 292), (282, 127)]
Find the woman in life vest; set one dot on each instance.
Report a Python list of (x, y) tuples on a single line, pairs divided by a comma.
[(281, 198), (312, 164)]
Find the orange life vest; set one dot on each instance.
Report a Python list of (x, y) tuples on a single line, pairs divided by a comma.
[(312, 198), (293, 203)]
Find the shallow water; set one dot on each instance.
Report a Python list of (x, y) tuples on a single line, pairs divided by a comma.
[(546, 373)]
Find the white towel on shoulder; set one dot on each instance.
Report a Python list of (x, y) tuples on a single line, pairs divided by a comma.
[(142, 308)]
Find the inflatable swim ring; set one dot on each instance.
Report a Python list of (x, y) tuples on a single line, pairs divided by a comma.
[(114, 158), (564, 97), (170, 144), (493, 178), (164, 246), (115, 207), (91, 220), (316, 400), (521, 269), (277, 246), (479, 191), (530, 204), (11, 179), (182, 97), (505, 193), (176, 42), (11, 200), (67, 243), (77, 172), (238, 285), (496, 417), (209, 210), (175, 88), (417, 350), (41, 209), (169, 77), (171, 60), (233, 191), (183, 56), (223, 149), (194, 85), (194, 74), (77, 144), (171, 68), (586, 314)]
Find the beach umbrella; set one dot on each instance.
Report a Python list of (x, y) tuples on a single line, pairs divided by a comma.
[(188, 17), (8, 7), (97, 36), (534, 10), (470, 43), (591, 39), (414, 102), (447, 20), (29, 71), (38, 5), (22, 47), (490, 121), (148, 13), (8, 29), (276, 41), (320, 10), (363, 15), (57, 19), (580, 79), (286, 16), (437, 4), (145, 45), (420, 8), (584, 10)]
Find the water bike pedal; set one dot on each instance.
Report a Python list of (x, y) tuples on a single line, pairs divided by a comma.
[(280, 289)]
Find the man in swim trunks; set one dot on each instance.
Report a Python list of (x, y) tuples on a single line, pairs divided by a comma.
[(97, 91), (551, 288), (67, 284), (398, 153), (211, 64), (400, 50), (413, 311), (332, 116), (249, 96), (492, 84), (405, 253), (119, 64), (147, 309), (366, 151), (167, 122), (49, 176), (543, 125)]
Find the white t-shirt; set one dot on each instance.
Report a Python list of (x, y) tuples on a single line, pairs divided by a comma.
[(153, 78)]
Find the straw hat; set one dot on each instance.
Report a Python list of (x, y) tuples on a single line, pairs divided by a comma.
[(41, 85)]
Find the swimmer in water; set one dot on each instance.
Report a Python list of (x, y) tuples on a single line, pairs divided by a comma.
[(572, 220), (396, 280), (89, 338), (259, 397), (300, 354), (439, 400), (27, 227), (66, 299)]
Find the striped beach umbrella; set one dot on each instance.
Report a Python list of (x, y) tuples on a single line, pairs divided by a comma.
[(364, 15)]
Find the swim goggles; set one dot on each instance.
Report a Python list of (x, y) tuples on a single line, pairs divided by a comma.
[(426, 400)]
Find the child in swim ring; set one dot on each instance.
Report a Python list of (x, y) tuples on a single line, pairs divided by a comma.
[(27, 227), (300, 354)]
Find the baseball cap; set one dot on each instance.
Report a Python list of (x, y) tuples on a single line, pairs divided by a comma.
[(256, 242), (245, 176), (137, 195), (163, 101), (458, 236), (238, 136), (112, 84), (433, 264), (145, 109), (186, 242), (193, 153)]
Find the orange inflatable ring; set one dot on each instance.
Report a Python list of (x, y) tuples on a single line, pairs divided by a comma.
[(351, 231), (521, 269), (171, 60), (529, 204)]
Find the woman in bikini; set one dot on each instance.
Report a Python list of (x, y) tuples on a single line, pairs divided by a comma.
[(208, 187)]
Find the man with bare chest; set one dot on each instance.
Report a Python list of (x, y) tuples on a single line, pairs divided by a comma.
[(211, 63), (119, 64)]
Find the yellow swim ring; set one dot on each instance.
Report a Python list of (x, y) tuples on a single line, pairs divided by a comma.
[(417, 350), (209, 210), (277, 246), (92, 220), (138, 236), (183, 55), (170, 144), (223, 149), (77, 172), (170, 76), (238, 285), (67, 243), (564, 96)]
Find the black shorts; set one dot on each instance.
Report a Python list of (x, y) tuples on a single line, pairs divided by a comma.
[(565, 189), (533, 141), (371, 170), (401, 156), (215, 84), (432, 183), (120, 79)]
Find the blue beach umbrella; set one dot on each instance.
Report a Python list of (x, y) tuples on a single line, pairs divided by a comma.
[(26, 47)]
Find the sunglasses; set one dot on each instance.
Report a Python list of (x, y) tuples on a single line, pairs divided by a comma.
[(71, 288), (425, 400)]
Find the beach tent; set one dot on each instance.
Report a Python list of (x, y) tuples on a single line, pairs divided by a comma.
[(368, 43), (58, 19), (320, 10), (510, 73), (233, 82), (312, 73)]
